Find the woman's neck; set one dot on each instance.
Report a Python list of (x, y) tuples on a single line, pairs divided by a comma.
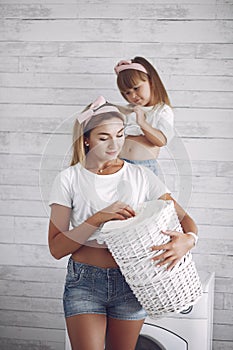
[(104, 168)]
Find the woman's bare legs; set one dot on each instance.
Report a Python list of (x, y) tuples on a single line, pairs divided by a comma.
[(87, 331), (122, 335)]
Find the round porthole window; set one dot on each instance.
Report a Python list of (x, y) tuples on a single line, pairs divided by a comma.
[(147, 343)]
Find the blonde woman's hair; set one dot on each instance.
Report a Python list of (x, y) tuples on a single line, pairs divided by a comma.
[(78, 154), (81, 132), (128, 78)]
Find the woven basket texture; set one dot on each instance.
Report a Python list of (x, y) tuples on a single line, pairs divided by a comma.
[(158, 290)]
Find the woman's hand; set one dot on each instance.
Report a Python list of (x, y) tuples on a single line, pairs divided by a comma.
[(116, 211), (178, 246)]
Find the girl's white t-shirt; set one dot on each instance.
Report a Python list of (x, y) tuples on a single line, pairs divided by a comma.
[(160, 117), (87, 193)]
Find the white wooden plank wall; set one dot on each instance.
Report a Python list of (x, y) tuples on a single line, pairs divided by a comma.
[(55, 57)]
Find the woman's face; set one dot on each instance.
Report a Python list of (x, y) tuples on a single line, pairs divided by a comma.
[(106, 140)]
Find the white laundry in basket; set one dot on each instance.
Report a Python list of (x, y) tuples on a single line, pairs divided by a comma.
[(159, 291)]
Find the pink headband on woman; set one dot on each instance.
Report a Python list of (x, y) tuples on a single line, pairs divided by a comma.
[(123, 65), (97, 107)]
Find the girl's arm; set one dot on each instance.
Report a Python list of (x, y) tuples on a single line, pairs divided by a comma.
[(180, 243), (155, 136), (63, 241)]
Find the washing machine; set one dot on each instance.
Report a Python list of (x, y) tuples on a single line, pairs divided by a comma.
[(190, 329)]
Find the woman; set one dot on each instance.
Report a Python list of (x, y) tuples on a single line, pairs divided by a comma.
[(99, 306)]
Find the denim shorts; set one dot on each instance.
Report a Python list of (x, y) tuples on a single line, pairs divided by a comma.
[(95, 290), (151, 164)]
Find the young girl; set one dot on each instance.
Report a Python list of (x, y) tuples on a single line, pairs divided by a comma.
[(99, 306), (150, 127)]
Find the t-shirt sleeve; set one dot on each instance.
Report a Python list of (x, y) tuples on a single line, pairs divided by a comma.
[(156, 188), (165, 122), (61, 190)]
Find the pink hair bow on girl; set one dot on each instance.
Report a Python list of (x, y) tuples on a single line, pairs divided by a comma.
[(123, 65), (97, 107)]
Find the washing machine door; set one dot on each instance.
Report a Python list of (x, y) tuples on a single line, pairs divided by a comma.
[(153, 337), (147, 343)]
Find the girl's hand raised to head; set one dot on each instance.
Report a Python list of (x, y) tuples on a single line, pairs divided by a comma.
[(116, 211), (140, 115)]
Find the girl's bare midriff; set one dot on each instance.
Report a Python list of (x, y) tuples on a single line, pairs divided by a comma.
[(139, 148), (95, 256)]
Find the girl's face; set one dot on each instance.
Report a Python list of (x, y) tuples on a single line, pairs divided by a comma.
[(106, 140), (140, 94)]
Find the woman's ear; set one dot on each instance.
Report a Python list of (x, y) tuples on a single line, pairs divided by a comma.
[(86, 142)]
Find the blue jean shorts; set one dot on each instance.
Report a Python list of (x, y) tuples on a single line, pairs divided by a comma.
[(151, 164), (95, 290)]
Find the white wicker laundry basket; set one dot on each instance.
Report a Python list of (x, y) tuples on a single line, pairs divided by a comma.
[(159, 291)]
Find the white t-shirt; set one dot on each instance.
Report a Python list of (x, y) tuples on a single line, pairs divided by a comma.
[(87, 193), (160, 117)]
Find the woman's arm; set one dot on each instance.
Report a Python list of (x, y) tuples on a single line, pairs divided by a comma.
[(63, 241), (179, 244)]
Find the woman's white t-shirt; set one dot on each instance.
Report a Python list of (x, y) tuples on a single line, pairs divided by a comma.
[(87, 193)]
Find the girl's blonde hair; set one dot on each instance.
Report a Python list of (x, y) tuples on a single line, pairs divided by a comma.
[(128, 78), (82, 131)]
